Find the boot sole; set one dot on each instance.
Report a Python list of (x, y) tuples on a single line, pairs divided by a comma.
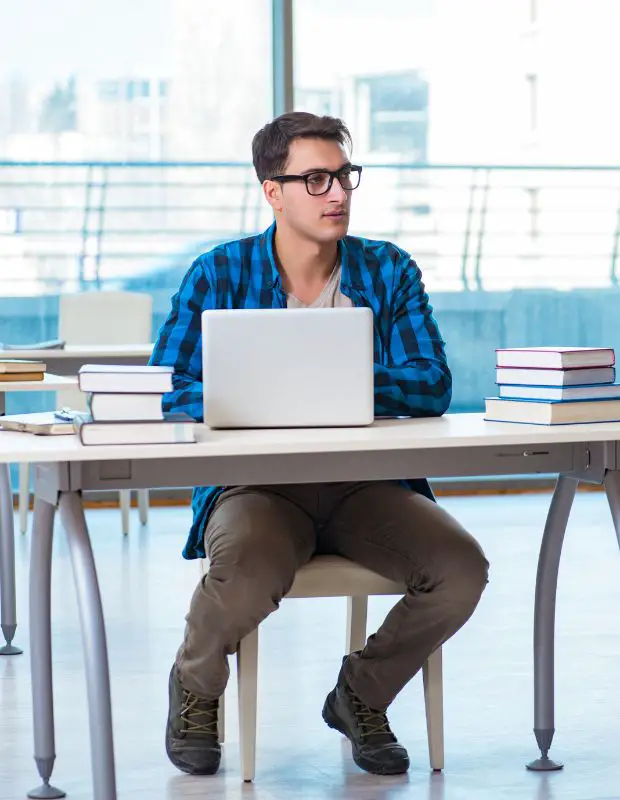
[(186, 768), (363, 762)]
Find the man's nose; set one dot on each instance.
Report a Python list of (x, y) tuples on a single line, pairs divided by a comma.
[(336, 192)]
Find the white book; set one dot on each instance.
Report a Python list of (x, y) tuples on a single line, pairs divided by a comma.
[(124, 379), (555, 357), (554, 377), (40, 423), (551, 412), (175, 429), (592, 392), (128, 407)]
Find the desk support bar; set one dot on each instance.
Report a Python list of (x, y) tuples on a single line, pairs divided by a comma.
[(544, 619), (41, 647), (95, 647), (8, 613), (612, 490)]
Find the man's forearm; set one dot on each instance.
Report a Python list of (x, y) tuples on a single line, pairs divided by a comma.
[(412, 390), (186, 397)]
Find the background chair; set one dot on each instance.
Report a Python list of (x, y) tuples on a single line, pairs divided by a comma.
[(332, 576), (98, 318)]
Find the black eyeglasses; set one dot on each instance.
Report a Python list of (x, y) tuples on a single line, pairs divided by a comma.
[(321, 181)]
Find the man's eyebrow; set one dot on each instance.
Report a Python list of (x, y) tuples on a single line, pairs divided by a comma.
[(324, 169)]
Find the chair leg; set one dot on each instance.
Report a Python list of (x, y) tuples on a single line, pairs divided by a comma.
[(221, 719), (357, 614), (143, 505), (125, 504), (24, 496), (432, 673), (247, 678)]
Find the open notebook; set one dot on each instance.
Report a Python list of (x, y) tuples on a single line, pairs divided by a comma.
[(42, 423)]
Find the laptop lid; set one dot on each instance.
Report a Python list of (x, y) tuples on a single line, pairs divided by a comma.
[(288, 367)]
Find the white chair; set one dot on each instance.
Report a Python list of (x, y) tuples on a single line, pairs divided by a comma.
[(332, 576), (98, 318)]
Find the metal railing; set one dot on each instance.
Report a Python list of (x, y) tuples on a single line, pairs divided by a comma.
[(67, 226)]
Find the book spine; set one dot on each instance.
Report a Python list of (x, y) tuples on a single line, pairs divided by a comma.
[(78, 424)]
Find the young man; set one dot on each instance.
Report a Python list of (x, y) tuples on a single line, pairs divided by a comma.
[(256, 537)]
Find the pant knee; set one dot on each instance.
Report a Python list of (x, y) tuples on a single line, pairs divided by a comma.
[(465, 577), (255, 575)]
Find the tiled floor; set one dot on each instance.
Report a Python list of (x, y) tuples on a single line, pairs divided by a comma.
[(488, 673)]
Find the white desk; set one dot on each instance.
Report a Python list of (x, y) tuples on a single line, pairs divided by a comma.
[(8, 613), (68, 360), (454, 445)]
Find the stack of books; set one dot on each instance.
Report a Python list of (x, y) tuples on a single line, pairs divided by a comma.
[(16, 369), (125, 404), (555, 386)]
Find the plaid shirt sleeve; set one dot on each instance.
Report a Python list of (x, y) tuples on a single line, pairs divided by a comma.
[(179, 342), (415, 380)]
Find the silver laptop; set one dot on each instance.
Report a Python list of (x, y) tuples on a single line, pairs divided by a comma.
[(280, 368)]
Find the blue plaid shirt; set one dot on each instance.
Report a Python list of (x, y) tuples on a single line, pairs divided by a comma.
[(412, 378)]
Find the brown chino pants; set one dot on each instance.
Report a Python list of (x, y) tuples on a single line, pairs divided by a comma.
[(257, 537)]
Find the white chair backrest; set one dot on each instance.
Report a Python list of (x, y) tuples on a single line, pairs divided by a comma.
[(105, 318), (101, 318)]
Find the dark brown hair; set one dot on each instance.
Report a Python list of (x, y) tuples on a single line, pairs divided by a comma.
[(271, 144)]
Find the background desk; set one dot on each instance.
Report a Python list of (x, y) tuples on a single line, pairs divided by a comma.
[(454, 445), (68, 360)]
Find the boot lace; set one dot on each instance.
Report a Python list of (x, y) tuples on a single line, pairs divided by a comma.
[(200, 715), (371, 722)]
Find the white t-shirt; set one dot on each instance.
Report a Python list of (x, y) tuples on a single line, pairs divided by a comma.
[(330, 297)]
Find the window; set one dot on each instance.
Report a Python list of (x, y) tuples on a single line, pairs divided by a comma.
[(397, 114), (140, 84), (109, 90), (473, 83), (417, 80), (135, 121), (137, 88), (67, 66)]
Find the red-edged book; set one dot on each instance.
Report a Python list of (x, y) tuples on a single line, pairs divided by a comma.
[(555, 357)]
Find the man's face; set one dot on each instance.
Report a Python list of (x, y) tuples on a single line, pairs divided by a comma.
[(322, 218)]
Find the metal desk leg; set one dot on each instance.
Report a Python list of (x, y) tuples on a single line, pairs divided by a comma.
[(544, 619), (612, 490), (95, 648), (41, 647), (8, 614)]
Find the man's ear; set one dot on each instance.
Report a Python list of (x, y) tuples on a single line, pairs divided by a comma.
[(273, 194)]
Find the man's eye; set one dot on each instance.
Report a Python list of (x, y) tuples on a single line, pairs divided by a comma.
[(316, 178)]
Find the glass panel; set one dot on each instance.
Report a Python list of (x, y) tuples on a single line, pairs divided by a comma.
[(490, 141), (75, 77), (149, 86), (424, 83)]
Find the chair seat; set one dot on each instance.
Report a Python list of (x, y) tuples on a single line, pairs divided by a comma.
[(331, 576), (335, 576)]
